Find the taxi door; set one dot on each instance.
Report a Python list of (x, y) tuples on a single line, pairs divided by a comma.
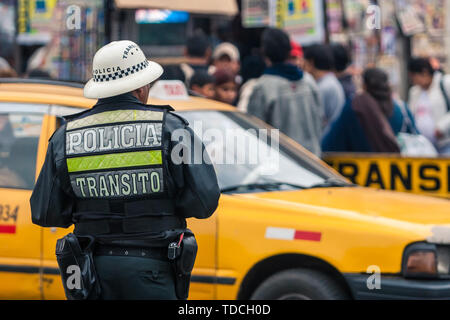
[(23, 129), (204, 280)]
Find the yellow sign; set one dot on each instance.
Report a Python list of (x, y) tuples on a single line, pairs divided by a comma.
[(298, 14), (35, 15), (415, 175), (301, 19), (42, 9)]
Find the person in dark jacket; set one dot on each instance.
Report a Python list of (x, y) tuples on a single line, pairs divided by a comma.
[(116, 174), (286, 97), (342, 61), (370, 121), (319, 62), (197, 53)]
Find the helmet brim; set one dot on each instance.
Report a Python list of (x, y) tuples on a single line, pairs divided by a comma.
[(106, 89)]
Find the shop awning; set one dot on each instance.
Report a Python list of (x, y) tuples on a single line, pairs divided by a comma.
[(225, 7)]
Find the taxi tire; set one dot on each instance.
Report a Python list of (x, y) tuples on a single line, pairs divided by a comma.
[(297, 284)]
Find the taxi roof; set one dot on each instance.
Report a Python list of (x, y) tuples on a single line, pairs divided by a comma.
[(71, 94)]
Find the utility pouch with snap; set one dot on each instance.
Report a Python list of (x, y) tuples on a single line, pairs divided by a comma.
[(76, 265)]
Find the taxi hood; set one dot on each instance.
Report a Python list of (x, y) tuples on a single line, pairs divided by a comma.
[(368, 202)]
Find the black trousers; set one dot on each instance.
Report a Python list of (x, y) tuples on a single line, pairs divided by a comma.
[(135, 278)]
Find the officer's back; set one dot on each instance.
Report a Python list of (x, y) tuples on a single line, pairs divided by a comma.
[(115, 173)]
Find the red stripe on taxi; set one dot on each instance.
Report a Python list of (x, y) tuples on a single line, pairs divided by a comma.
[(292, 234), (7, 228), (307, 235)]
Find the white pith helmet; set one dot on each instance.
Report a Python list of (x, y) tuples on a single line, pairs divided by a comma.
[(120, 67)]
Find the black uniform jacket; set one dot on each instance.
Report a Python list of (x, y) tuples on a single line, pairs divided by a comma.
[(195, 189)]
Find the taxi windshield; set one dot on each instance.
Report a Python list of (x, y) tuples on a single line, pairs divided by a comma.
[(249, 156)]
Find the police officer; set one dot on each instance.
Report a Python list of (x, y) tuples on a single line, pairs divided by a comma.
[(111, 172)]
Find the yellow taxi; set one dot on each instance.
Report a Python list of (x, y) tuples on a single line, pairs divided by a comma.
[(304, 232)]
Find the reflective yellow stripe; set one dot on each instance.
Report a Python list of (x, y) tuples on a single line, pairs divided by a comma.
[(116, 117), (114, 160)]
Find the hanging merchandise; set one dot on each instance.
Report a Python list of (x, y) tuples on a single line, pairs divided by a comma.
[(302, 20), (424, 45), (334, 17), (363, 40), (388, 15), (354, 11), (34, 21), (255, 13), (409, 16), (388, 59), (389, 41), (430, 40), (428, 15), (378, 32), (370, 31), (435, 17), (78, 32)]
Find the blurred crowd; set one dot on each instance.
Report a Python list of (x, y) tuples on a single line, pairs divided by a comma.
[(310, 94)]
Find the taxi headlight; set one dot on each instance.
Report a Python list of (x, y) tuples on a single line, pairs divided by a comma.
[(426, 260)]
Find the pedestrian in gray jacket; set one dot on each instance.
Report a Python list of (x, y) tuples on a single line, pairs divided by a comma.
[(319, 62), (286, 97)]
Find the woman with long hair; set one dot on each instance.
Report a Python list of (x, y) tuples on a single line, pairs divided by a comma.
[(371, 120)]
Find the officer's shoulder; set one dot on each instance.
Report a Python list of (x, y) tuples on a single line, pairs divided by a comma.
[(181, 119), (171, 114), (74, 116), (58, 133)]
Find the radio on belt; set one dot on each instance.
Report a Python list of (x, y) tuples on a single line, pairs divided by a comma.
[(175, 248)]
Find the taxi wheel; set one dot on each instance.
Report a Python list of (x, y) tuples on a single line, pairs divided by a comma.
[(299, 284)]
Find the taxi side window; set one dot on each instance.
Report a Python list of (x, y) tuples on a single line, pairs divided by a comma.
[(19, 138)]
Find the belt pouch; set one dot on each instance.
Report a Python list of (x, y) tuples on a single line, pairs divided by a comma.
[(76, 265)]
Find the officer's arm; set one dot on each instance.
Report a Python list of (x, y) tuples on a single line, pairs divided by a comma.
[(50, 205), (200, 195)]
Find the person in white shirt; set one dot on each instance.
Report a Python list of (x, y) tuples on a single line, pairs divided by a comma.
[(428, 100)]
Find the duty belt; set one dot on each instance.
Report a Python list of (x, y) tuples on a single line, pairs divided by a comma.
[(131, 225), (153, 253)]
